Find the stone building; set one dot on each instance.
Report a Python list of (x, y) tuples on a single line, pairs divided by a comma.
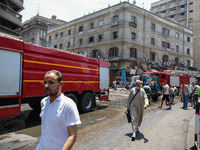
[(10, 19), (185, 12), (35, 29), (128, 37)]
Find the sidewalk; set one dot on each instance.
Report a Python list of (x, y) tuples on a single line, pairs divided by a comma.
[(190, 134)]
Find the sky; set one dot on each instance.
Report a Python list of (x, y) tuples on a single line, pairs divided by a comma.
[(68, 10)]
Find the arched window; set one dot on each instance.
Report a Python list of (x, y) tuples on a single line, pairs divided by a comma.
[(176, 61), (113, 52), (188, 63), (133, 52), (165, 58), (95, 54)]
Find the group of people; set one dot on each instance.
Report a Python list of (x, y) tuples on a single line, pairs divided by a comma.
[(139, 100)]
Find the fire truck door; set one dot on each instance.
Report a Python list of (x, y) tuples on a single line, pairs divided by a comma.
[(10, 74)]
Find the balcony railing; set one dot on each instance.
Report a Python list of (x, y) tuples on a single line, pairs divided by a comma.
[(35, 23), (11, 12)]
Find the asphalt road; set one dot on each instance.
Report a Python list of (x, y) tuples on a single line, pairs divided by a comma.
[(161, 130)]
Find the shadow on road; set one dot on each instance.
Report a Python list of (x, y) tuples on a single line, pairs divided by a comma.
[(139, 136)]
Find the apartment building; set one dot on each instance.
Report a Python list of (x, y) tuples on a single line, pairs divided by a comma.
[(128, 37), (10, 19), (185, 12), (35, 29)]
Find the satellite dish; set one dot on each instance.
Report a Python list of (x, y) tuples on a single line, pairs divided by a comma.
[(134, 2)]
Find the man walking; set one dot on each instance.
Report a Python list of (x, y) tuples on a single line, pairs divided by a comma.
[(196, 95), (136, 106), (59, 116), (166, 95), (190, 88), (184, 92), (147, 89)]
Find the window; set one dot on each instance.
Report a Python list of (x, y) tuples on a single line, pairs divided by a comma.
[(153, 41), (101, 23), (153, 26), (165, 31), (163, 12), (115, 20), (163, 44), (91, 39), (165, 58), (91, 26), (167, 45), (191, 11), (176, 61), (61, 34), (133, 35), (177, 48), (69, 32), (172, 9), (177, 35), (172, 16), (56, 36), (115, 35), (100, 37), (41, 33), (45, 34), (188, 51), (61, 46), (188, 39), (55, 46), (182, 14), (155, 7), (133, 52), (190, 20), (188, 63), (163, 76), (68, 44), (163, 5), (94, 54), (81, 30), (133, 19), (113, 52), (49, 38), (152, 56), (182, 6), (80, 41), (191, 3)]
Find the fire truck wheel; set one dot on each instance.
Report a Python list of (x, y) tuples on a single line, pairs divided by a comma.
[(87, 102), (73, 97)]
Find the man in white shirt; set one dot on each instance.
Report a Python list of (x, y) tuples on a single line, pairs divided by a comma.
[(166, 95), (59, 116)]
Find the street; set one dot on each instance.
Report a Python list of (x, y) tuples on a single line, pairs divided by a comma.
[(161, 129), (106, 128)]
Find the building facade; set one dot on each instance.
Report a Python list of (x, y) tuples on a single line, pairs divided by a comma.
[(185, 12), (10, 19), (35, 29), (128, 37)]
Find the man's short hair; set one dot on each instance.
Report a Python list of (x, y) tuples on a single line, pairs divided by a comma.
[(183, 81), (57, 73), (165, 81)]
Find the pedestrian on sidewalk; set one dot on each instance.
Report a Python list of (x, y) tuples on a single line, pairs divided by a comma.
[(196, 91), (190, 87), (137, 106), (166, 95), (184, 92), (59, 116)]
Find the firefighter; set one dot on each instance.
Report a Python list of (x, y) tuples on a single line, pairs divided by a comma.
[(196, 94), (148, 92)]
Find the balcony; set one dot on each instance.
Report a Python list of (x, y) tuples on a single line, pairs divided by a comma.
[(35, 23), (114, 24), (19, 4), (132, 24), (10, 15)]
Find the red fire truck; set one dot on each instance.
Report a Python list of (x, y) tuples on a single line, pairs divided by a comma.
[(22, 70)]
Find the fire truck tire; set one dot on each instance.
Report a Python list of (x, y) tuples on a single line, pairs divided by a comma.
[(73, 97), (35, 105), (87, 102)]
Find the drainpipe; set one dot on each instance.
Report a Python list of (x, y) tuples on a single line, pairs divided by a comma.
[(187, 12)]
